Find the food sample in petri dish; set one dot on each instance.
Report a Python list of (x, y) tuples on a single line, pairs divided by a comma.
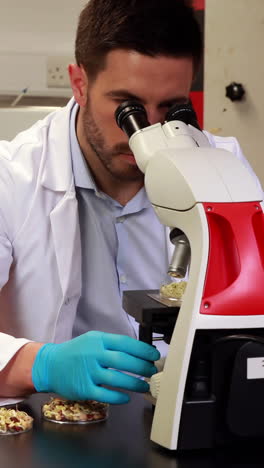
[(174, 290), (14, 421), (63, 411)]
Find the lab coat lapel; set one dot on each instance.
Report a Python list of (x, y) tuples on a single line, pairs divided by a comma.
[(66, 236), (57, 170), (58, 176)]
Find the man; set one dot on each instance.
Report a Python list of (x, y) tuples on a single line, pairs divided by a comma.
[(76, 227)]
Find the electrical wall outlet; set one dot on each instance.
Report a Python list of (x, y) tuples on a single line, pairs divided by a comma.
[(57, 71)]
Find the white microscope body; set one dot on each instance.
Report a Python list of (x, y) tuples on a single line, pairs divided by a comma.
[(186, 181)]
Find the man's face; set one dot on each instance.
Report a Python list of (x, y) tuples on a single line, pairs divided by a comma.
[(157, 83)]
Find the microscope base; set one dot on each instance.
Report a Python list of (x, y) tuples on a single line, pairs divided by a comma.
[(222, 405)]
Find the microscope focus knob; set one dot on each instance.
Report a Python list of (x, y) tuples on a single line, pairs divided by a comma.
[(235, 91), (154, 384)]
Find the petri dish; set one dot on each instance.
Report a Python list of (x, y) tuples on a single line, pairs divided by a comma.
[(14, 421), (173, 291), (62, 411)]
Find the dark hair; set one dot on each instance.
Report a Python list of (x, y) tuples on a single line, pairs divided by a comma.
[(150, 27)]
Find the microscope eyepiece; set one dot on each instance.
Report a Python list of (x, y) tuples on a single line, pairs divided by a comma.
[(131, 116), (183, 112)]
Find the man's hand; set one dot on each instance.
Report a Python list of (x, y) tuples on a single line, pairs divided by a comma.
[(78, 368)]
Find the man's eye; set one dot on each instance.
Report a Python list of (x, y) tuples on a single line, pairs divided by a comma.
[(120, 100), (168, 105)]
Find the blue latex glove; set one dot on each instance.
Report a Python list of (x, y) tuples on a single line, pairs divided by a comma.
[(77, 368)]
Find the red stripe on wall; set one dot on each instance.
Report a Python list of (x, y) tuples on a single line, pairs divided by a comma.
[(197, 98), (199, 4)]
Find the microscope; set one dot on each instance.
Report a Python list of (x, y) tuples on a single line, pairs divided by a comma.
[(211, 390)]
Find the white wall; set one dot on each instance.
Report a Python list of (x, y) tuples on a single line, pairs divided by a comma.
[(234, 38), (30, 31)]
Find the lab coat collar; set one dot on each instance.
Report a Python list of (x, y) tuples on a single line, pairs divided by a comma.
[(57, 173)]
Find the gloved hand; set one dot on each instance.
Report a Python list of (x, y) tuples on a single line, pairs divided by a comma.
[(77, 368)]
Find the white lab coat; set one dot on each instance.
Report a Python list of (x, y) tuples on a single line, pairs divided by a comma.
[(40, 248)]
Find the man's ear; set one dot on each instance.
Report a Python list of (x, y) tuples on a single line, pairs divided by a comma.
[(79, 83)]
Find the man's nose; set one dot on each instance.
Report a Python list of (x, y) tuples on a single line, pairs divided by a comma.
[(155, 115)]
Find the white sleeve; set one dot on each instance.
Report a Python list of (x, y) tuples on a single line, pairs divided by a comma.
[(8, 344), (9, 401), (6, 257), (8, 348)]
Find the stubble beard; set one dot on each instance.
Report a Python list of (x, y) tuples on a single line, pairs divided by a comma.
[(107, 156)]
